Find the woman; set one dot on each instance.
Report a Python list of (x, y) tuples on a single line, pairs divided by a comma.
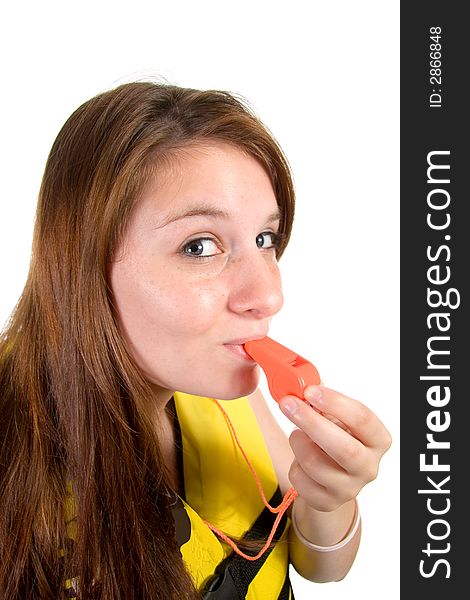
[(161, 217)]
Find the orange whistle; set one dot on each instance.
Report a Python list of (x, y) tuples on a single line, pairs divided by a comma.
[(286, 371)]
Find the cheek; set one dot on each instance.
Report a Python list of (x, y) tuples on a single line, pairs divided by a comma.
[(188, 309), (150, 309)]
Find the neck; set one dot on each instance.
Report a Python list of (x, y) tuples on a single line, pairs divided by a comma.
[(161, 398)]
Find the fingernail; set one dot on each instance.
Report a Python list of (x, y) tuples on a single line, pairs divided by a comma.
[(313, 393), (289, 406)]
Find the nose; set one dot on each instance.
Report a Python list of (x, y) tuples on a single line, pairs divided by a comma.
[(256, 288)]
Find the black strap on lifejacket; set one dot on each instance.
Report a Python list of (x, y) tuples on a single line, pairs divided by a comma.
[(234, 574)]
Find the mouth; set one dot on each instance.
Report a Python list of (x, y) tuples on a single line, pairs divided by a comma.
[(239, 351), (236, 347)]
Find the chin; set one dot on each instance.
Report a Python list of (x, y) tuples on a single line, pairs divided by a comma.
[(238, 388), (236, 394)]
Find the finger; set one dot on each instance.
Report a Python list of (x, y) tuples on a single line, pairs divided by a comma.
[(342, 447), (356, 417), (311, 491), (318, 465)]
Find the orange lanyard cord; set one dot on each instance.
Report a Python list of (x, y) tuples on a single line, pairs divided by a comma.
[(289, 497)]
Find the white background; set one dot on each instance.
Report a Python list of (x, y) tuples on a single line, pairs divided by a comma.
[(324, 77)]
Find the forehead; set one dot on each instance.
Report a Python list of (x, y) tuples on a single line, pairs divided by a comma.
[(213, 176)]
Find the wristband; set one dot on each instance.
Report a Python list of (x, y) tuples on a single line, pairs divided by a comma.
[(349, 536)]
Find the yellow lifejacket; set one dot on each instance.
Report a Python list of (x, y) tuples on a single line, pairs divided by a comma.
[(219, 488)]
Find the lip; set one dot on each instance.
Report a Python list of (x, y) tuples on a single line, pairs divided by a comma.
[(236, 347), (239, 351), (241, 341)]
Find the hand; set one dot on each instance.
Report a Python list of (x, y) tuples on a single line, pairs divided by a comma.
[(338, 446)]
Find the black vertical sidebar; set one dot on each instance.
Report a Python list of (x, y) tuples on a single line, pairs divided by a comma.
[(435, 269)]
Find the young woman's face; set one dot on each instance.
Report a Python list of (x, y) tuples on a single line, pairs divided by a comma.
[(196, 273)]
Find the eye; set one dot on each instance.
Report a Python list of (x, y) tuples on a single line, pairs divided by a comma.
[(267, 239), (201, 247)]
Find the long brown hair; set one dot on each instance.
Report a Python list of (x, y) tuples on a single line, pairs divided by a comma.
[(74, 407)]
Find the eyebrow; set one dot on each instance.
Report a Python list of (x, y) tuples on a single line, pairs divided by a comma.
[(208, 211)]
